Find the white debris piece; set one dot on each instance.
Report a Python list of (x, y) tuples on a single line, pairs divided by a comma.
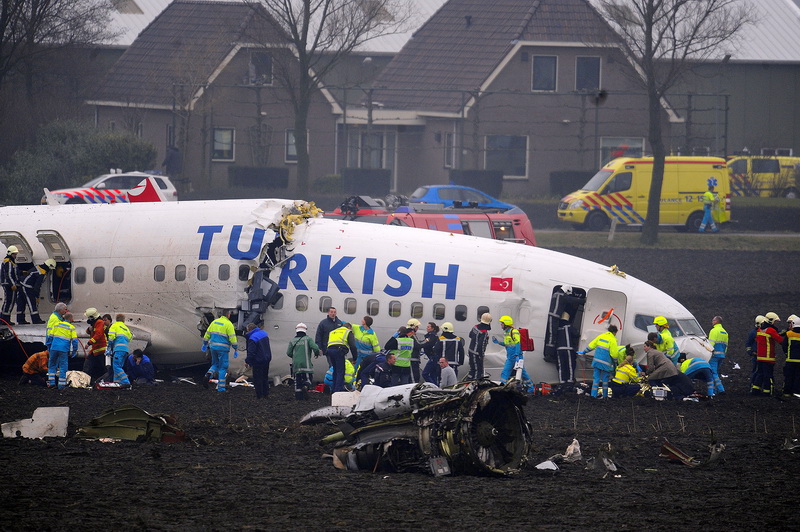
[(573, 452), (46, 422), (345, 398)]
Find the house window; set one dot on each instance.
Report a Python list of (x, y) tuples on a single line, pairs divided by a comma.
[(587, 73), (544, 73), (613, 147), (375, 150), (260, 69), (290, 155), (224, 139), (449, 150), (507, 153)]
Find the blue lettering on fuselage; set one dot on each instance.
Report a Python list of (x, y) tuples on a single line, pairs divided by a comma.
[(208, 232), (401, 285)]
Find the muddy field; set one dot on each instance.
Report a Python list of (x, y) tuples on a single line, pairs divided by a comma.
[(249, 465)]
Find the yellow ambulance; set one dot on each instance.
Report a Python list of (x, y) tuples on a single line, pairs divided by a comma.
[(765, 176), (620, 190)]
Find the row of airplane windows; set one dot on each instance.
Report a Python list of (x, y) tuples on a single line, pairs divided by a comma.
[(349, 305)]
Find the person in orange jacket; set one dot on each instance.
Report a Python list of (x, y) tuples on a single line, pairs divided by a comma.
[(34, 370)]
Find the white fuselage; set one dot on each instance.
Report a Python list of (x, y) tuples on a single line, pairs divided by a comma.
[(165, 264)]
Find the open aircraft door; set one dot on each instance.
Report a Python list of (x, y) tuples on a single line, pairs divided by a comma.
[(602, 308), (13, 238), (61, 278)]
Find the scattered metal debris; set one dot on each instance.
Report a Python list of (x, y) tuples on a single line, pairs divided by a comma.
[(131, 423), (477, 427), (46, 422), (790, 444), (671, 452)]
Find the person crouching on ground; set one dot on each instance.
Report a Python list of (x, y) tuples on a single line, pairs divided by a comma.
[(139, 368), (259, 355), (625, 381), (34, 370), (661, 370)]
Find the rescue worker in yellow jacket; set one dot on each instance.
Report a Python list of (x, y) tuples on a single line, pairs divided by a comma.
[(340, 341), (220, 337), (603, 361), (710, 201), (665, 342), (625, 380), (119, 337)]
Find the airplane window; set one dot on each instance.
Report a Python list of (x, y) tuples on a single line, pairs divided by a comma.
[(202, 272), (643, 322), (481, 312), (461, 312), (350, 305), (325, 303), (301, 303), (394, 309), (373, 307), (279, 303), (224, 272), (416, 310), (159, 273), (99, 275), (118, 274), (80, 275), (180, 272), (438, 311), (244, 272)]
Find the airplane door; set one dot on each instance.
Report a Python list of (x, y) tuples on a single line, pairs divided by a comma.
[(13, 238), (602, 308), (61, 278)]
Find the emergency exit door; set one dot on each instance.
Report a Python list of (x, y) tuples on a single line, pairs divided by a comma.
[(602, 308)]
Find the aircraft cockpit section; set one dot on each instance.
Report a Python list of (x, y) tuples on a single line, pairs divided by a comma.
[(61, 278)]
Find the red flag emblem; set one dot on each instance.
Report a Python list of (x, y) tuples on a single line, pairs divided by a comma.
[(501, 284)]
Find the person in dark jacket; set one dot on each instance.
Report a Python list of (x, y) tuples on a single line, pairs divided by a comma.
[(328, 323), (432, 371), (28, 293), (380, 371), (140, 369), (259, 355), (478, 340), (450, 347)]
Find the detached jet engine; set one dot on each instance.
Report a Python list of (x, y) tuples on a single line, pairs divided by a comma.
[(476, 428)]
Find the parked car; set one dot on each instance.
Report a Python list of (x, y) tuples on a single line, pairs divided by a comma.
[(457, 195), (112, 188)]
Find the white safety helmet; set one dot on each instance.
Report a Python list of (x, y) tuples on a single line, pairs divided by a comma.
[(413, 322), (447, 327), (567, 289), (11, 249), (50, 263), (486, 318), (760, 319), (91, 312), (793, 319), (772, 317), (301, 327)]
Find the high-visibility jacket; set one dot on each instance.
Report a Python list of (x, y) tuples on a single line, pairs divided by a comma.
[(405, 346), (666, 344), (710, 199), (366, 341), (605, 344), (119, 336), (54, 318), (690, 365), (64, 337), (36, 363), (793, 345), (719, 340), (220, 335), (766, 340), (338, 337), (97, 343), (511, 343), (349, 373), (625, 374)]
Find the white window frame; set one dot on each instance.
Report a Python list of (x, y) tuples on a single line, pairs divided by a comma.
[(214, 144), (527, 155), (555, 74), (599, 71), (289, 146), (449, 142), (355, 149)]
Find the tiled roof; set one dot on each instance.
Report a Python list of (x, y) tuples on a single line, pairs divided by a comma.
[(462, 44), (130, 17), (184, 44)]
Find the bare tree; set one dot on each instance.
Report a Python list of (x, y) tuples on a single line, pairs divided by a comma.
[(321, 33), (664, 38), (31, 28)]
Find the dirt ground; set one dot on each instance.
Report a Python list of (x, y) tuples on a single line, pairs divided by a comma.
[(250, 465)]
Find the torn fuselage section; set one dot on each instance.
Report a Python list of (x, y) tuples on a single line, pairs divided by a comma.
[(477, 428)]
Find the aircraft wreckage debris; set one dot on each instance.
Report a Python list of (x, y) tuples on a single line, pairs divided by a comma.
[(476, 428), (131, 423)]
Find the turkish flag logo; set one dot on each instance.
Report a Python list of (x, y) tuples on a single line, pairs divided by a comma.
[(501, 284)]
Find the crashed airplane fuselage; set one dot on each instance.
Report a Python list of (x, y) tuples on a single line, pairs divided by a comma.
[(477, 428)]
